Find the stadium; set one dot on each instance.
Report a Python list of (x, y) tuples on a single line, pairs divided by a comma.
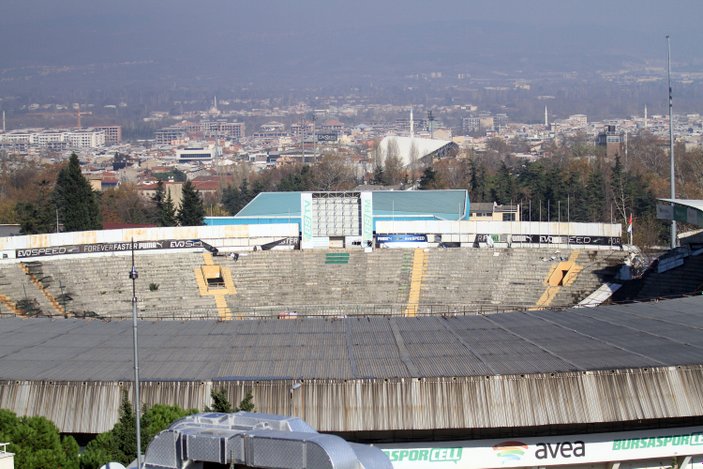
[(392, 318)]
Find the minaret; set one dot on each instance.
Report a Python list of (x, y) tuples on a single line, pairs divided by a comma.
[(412, 124), (645, 116), (3, 122)]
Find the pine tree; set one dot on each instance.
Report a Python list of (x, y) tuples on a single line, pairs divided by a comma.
[(247, 404), (428, 179), (38, 216), (220, 403), (124, 432), (163, 204), (75, 200), (192, 211), (595, 196), (168, 212)]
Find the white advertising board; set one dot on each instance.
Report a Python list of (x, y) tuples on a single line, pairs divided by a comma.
[(549, 451)]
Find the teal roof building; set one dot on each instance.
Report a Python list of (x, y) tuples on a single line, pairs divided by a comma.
[(286, 207)]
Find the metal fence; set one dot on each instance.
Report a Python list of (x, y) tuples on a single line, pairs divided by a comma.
[(299, 311)]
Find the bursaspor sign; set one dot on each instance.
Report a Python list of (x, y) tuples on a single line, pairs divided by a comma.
[(550, 451)]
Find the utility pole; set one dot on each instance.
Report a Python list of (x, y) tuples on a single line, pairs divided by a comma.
[(314, 137), (671, 142), (137, 402)]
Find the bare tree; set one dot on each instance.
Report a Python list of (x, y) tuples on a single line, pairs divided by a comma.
[(333, 173)]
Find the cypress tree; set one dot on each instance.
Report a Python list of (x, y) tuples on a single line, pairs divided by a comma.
[(191, 212), (75, 200), (163, 203), (168, 212)]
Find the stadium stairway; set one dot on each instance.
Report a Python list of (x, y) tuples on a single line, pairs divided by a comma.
[(596, 268), (100, 286), (25, 290)]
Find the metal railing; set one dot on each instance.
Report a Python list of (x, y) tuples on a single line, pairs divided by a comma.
[(303, 311)]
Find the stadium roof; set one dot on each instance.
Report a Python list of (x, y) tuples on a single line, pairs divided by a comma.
[(409, 145), (445, 205), (691, 203), (638, 335), (439, 204), (273, 204), (684, 210)]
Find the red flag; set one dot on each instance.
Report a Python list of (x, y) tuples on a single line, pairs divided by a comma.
[(629, 224)]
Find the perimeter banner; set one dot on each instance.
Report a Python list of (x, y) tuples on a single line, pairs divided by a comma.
[(550, 239), (549, 451), (109, 247)]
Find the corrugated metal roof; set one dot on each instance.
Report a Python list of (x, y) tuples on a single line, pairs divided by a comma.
[(449, 204), (273, 204), (614, 337), (441, 204)]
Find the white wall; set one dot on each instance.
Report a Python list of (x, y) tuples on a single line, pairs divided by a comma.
[(465, 231), (228, 237)]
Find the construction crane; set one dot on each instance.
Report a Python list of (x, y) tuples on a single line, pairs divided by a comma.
[(77, 107)]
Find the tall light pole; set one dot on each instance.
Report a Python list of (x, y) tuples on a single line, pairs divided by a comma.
[(671, 142), (137, 402)]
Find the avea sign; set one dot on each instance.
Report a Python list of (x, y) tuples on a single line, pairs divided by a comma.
[(424, 455), (563, 449), (510, 451)]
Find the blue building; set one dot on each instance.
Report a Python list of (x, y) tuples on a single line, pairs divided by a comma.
[(324, 217)]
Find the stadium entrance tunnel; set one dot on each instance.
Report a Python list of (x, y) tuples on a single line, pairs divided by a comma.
[(565, 272), (213, 276), (252, 440)]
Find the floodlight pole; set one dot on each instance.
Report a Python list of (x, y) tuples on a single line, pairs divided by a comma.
[(137, 402), (671, 142)]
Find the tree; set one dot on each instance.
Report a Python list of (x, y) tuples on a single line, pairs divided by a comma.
[(220, 402), (332, 173), (234, 199), (393, 170), (38, 215), (36, 442), (158, 418), (595, 196), (296, 180), (247, 404), (167, 216), (191, 211), (124, 205), (120, 443), (504, 189), (75, 200), (428, 179), (163, 205), (478, 188)]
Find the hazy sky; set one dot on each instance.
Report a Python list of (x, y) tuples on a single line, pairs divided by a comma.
[(291, 35)]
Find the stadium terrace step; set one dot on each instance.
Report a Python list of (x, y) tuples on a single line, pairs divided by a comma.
[(309, 282)]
